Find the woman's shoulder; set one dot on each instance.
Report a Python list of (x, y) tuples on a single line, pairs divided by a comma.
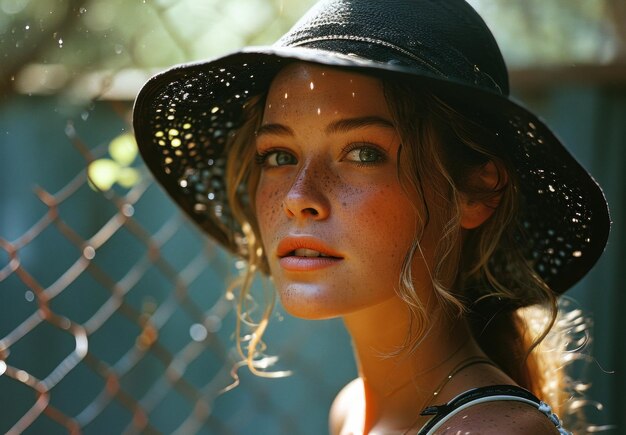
[(479, 416), (499, 417), (344, 402), (493, 409)]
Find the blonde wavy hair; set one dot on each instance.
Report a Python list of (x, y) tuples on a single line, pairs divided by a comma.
[(481, 274)]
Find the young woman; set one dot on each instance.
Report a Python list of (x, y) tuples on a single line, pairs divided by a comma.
[(372, 165)]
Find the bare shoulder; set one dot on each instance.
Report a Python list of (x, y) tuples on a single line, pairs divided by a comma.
[(343, 403), (502, 417)]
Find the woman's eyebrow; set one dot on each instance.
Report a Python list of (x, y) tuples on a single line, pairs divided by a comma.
[(338, 126), (274, 129), (347, 124)]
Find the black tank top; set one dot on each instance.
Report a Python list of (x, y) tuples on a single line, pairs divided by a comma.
[(441, 413)]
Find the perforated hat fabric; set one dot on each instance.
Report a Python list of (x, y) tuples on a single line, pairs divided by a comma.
[(184, 117)]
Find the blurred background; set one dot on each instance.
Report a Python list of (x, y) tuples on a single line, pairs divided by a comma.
[(113, 311)]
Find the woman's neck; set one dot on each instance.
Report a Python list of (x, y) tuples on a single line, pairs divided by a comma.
[(397, 385)]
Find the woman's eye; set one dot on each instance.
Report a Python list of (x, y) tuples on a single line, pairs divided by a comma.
[(276, 158), (365, 154)]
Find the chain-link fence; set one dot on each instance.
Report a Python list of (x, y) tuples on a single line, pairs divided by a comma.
[(127, 328)]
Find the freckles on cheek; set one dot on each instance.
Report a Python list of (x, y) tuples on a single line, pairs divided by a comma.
[(268, 207), (330, 182), (384, 217)]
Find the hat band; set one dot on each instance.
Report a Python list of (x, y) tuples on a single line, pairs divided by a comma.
[(382, 43), (370, 41)]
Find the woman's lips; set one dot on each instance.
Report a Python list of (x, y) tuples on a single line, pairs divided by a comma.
[(307, 264), (306, 253)]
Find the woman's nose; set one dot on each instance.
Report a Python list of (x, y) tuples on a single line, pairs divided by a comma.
[(307, 198)]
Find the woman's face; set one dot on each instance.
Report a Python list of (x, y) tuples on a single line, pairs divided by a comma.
[(334, 220)]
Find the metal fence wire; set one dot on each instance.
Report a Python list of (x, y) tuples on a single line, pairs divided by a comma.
[(84, 336), (129, 329)]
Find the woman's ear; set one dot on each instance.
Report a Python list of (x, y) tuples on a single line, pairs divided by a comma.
[(489, 178)]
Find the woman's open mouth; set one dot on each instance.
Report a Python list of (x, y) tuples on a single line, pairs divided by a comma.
[(304, 252), (301, 254)]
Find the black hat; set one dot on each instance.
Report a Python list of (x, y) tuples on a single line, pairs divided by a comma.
[(184, 116)]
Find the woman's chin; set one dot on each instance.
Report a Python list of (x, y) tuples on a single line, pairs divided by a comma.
[(314, 302), (309, 301)]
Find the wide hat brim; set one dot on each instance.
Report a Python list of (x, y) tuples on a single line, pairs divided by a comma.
[(185, 117)]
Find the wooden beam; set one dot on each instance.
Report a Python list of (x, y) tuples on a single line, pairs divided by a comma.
[(536, 78)]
